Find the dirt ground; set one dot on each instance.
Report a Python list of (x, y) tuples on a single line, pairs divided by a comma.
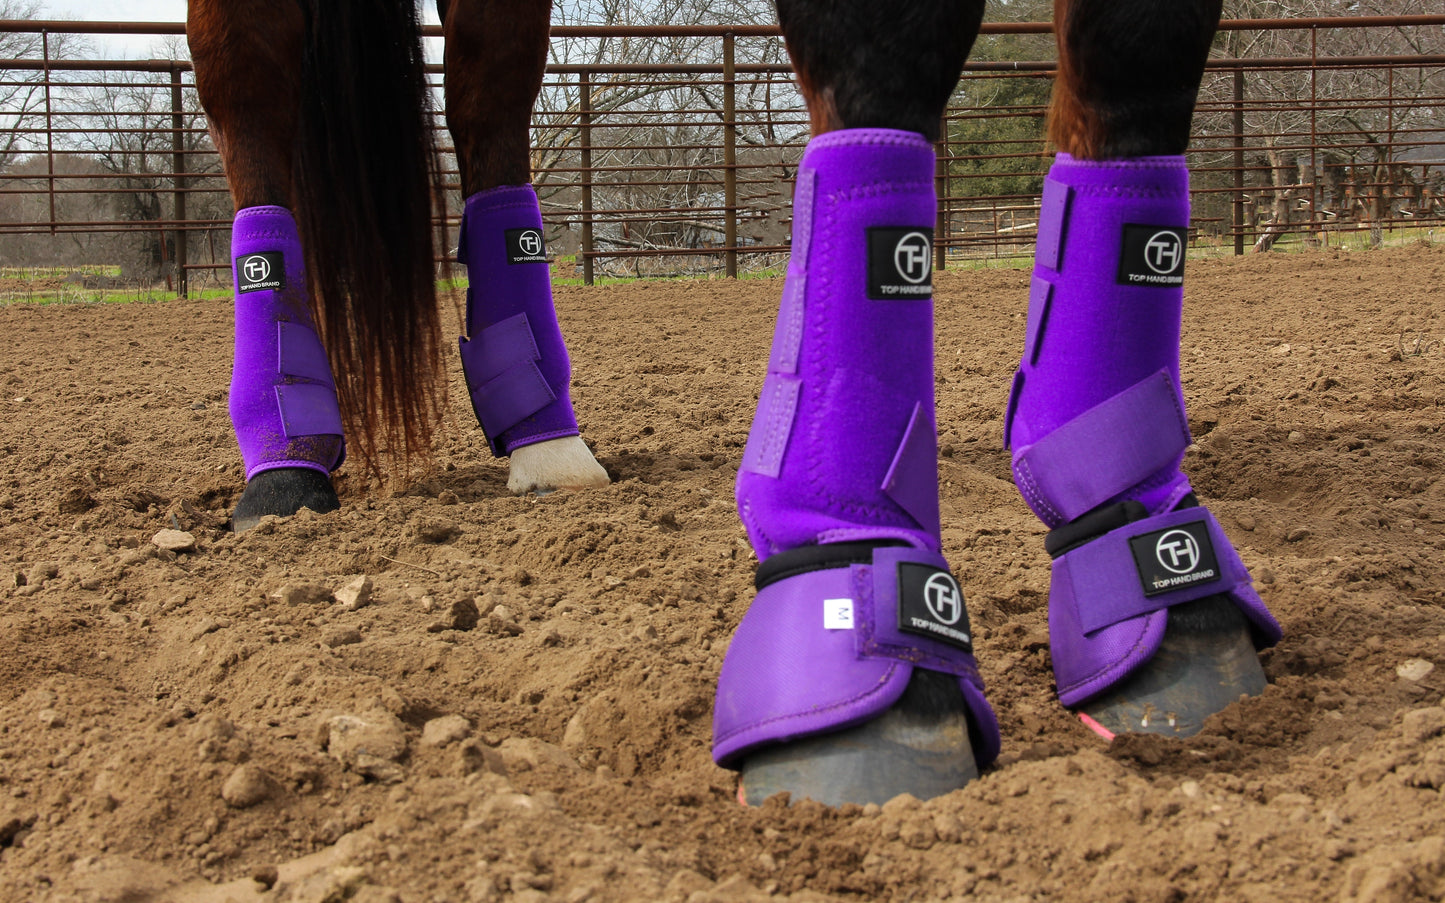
[(521, 709)]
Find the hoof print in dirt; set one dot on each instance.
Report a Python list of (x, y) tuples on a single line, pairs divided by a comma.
[(283, 492)]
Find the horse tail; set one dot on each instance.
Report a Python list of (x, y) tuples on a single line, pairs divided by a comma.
[(364, 174)]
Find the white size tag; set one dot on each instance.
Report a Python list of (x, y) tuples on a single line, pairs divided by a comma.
[(838, 614)]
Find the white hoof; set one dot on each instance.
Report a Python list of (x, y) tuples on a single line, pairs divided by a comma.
[(555, 464)]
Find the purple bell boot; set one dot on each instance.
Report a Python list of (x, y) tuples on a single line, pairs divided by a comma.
[(838, 491), (515, 362), (283, 399), (1098, 432)]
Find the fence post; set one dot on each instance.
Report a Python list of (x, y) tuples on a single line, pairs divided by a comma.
[(49, 127), (730, 158), (1239, 161), (178, 159), (940, 192), (584, 110)]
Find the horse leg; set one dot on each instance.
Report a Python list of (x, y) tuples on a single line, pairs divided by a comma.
[(514, 358), (283, 404), (1153, 620), (851, 678)]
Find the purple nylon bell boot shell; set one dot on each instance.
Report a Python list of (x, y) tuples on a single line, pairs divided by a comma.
[(514, 359), (283, 399), (1096, 418), (843, 449)]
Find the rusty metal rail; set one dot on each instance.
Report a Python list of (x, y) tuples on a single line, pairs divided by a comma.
[(1308, 131)]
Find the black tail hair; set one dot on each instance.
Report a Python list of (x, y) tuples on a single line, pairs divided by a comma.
[(365, 167)]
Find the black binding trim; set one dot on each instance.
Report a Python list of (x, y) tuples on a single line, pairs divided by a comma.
[(806, 559), (1096, 523)]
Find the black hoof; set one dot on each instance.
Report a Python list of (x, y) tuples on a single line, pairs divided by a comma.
[(919, 746), (283, 492), (1205, 662)]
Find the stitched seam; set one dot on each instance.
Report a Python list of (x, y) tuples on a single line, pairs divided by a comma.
[(837, 705)]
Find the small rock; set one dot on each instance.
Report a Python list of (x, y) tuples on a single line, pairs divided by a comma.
[(1415, 669), (40, 573), (342, 636), (444, 730), (174, 541), (247, 786), (1295, 437), (206, 625), (1297, 534), (303, 594), (460, 615), (355, 594), (50, 718), (1246, 522), (363, 744)]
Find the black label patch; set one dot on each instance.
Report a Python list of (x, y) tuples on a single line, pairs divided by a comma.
[(525, 246), (1152, 255), (261, 272), (900, 264), (930, 603), (1174, 558)]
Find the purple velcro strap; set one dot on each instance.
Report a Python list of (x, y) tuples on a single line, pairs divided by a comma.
[(505, 384), (498, 348), (1053, 220), (299, 353), (823, 651), (308, 410), (912, 479), (1104, 451), (773, 424), (1151, 564), (1108, 598), (510, 397)]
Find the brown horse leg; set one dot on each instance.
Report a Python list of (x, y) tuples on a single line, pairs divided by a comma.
[(877, 78), (247, 56), (496, 53), (1129, 73)]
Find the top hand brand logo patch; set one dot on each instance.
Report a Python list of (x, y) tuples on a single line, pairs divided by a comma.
[(261, 272), (525, 246), (900, 264), (1175, 558), (1152, 255)]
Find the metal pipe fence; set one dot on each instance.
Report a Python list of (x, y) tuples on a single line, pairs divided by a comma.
[(679, 156)]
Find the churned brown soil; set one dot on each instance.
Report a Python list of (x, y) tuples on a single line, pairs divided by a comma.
[(521, 709)]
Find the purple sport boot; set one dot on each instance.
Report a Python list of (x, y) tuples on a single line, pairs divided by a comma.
[(283, 399), (1153, 621), (515, 361), (852, 678)]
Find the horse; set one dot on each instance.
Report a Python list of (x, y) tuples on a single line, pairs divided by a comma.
[(852, 675)]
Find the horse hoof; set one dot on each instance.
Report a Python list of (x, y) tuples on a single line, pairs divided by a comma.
[(283, 492), (919, 746), (565, 463), (1205, 662)]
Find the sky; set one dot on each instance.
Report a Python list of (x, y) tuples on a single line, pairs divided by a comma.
[(116, 47)]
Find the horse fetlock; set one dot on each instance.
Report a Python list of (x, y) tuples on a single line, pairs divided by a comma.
[(513, 356), (283, 399), (1098, 431), (564, 463)]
